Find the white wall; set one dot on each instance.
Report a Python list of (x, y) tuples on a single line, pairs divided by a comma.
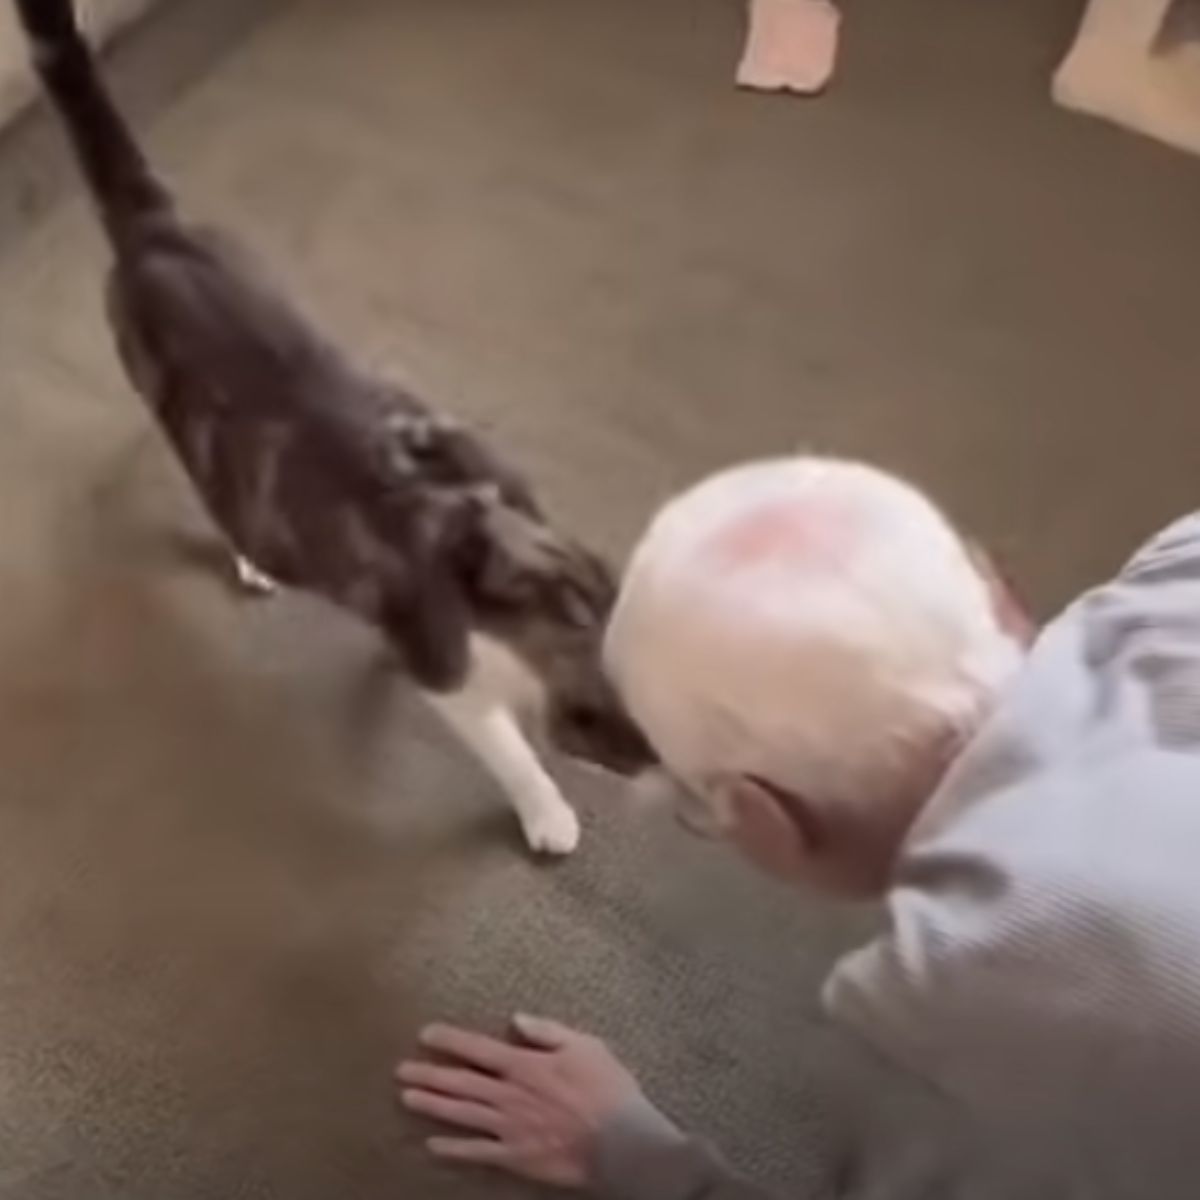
[(16, 84)]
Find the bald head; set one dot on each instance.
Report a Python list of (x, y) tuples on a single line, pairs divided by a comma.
[(814, 637)]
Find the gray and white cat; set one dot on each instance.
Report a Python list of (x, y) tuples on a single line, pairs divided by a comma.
[(325, 477)]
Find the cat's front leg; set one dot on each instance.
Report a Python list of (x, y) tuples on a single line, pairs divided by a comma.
[(495, 735)]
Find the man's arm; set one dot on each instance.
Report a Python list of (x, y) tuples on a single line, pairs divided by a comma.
[(556, 1107)]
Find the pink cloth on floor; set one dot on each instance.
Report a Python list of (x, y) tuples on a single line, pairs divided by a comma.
[(791, 45)]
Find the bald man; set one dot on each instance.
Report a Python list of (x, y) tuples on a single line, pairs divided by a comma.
[(1033, 826)]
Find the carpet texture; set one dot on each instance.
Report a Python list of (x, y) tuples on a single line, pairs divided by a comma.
[(236, 873)]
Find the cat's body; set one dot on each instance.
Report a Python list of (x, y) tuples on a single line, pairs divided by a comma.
[(327, 478)]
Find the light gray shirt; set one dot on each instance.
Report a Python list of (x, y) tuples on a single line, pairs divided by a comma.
[(1041, 963)]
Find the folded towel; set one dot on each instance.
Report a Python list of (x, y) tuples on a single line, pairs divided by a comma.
[(1123, 69), (791, 46)]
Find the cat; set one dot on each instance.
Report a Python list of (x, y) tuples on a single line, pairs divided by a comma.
[(325, 477)]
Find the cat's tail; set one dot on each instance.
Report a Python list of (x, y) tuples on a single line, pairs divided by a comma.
[(121, 181)]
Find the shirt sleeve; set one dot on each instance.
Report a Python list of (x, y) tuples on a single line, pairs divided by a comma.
[(641, 1155), (1172, 556), (902, 1142)]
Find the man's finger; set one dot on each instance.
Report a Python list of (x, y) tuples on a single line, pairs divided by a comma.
[(452, 1081), (542, 1032), (467, 1114), (475, 1048), (484, 1151)]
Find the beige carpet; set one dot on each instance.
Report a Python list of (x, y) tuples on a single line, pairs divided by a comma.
[(233, 881)]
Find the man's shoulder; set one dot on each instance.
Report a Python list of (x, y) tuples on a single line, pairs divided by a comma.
[(1078, 805), (1116, 676), (1172, 556), (1043, 946)]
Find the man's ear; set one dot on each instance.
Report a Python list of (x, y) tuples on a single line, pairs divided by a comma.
[(775, 829), (1011, 613)]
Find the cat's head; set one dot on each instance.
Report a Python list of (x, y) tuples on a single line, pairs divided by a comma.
[(549, 600)]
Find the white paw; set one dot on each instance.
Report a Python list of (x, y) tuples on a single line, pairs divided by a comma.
[(552, 830), (250, 579)]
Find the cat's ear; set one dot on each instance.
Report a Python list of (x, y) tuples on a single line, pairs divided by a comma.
[(512, 564), (519, 563), (512, 556)]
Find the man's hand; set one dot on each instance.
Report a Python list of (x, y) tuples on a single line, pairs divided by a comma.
[(532, 1109)]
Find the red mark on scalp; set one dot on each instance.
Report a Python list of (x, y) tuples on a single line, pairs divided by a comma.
[(816, 533)]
